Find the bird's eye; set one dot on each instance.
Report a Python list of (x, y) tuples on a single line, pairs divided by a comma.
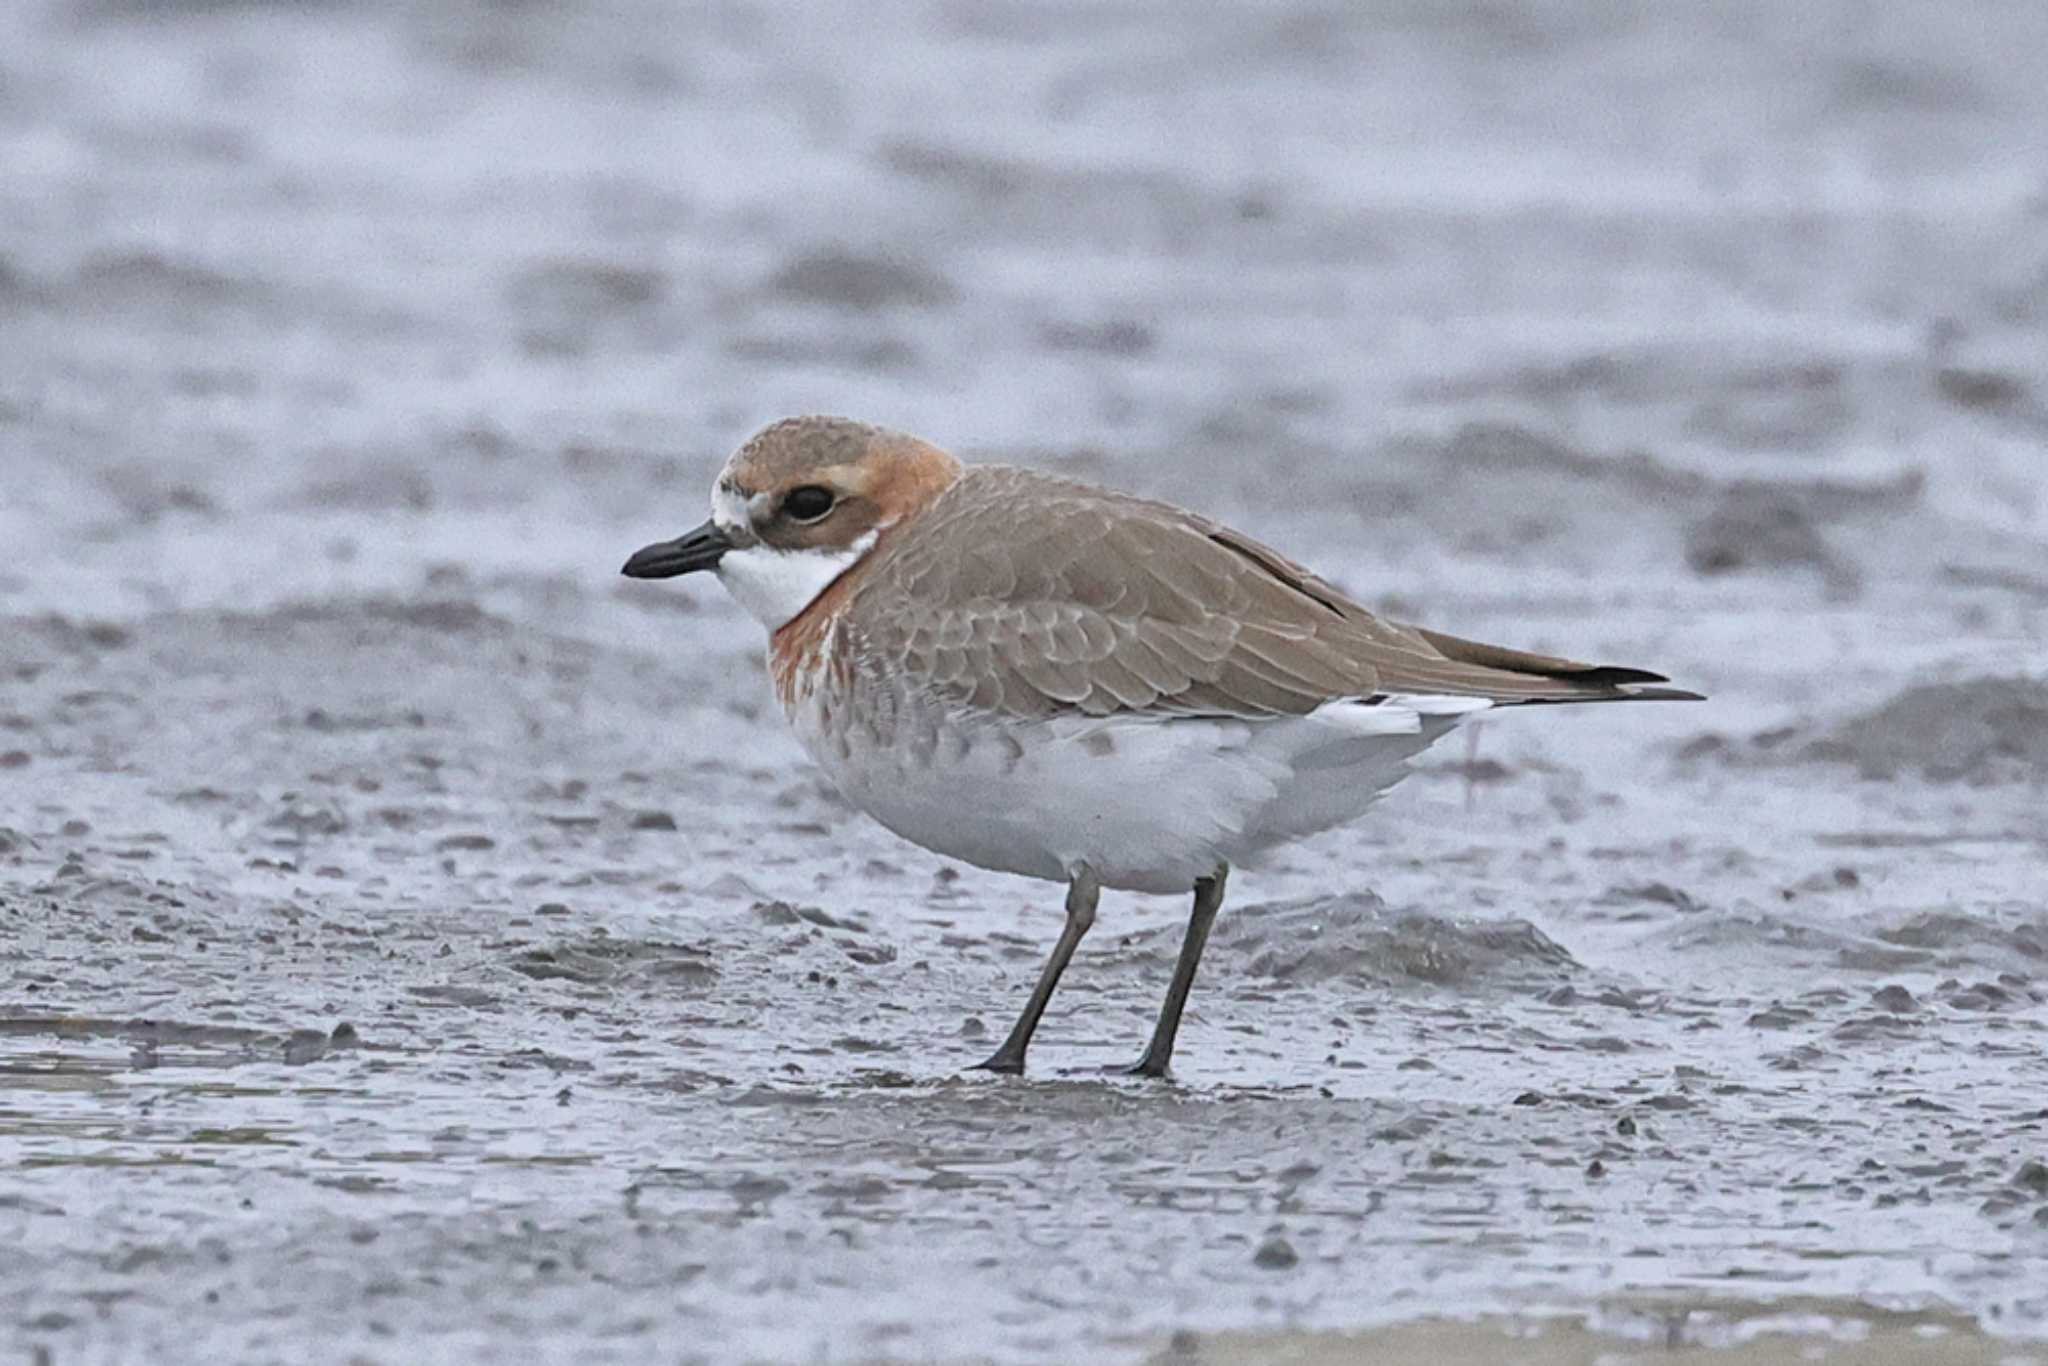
[(808, 503)]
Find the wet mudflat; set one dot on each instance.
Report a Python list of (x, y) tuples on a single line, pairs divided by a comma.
[(418, 944)]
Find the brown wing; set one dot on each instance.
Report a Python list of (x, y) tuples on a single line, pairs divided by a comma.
[(1100, 603)]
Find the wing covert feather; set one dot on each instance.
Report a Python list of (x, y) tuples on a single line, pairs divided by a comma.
[(1101, 602)]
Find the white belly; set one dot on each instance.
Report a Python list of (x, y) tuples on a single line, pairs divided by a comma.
[(1149, 804)]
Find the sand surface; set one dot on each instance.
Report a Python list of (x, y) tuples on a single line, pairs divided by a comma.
[(418, 944)]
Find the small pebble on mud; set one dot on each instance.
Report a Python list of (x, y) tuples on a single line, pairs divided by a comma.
[(1275, 1254)]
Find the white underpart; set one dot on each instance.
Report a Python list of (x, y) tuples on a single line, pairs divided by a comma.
[(1149, 802), (774, 585)]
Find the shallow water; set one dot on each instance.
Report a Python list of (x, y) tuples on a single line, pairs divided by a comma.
[(418, 944)]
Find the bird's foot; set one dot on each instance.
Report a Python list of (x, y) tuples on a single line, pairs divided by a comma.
[(1147, 1067)]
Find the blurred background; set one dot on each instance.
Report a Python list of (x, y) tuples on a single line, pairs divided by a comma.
[(269, 266), (347, 349)]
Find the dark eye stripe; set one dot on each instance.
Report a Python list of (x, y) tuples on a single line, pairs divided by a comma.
[(807, 504)]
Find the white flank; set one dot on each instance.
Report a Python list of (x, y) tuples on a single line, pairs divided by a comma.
[(774, 585), (1149, 802), (1425, 704)]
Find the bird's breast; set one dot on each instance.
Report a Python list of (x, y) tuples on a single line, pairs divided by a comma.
[(808, 655)]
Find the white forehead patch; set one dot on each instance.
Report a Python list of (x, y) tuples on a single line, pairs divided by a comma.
[(735, 512), (774, 585)]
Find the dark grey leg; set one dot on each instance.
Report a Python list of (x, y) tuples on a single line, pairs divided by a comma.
[(1208, 900), (1082, 894)]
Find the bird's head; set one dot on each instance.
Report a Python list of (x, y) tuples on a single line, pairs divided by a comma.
[(797, 506)]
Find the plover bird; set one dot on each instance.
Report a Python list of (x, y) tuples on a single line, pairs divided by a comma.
[(1041, 677)]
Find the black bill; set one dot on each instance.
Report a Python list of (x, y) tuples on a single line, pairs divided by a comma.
[(687, 553)]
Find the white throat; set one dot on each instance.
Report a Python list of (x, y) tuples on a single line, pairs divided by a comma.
[(774, 585)]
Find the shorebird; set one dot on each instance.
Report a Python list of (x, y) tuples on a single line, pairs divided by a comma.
[(1042, 677)]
